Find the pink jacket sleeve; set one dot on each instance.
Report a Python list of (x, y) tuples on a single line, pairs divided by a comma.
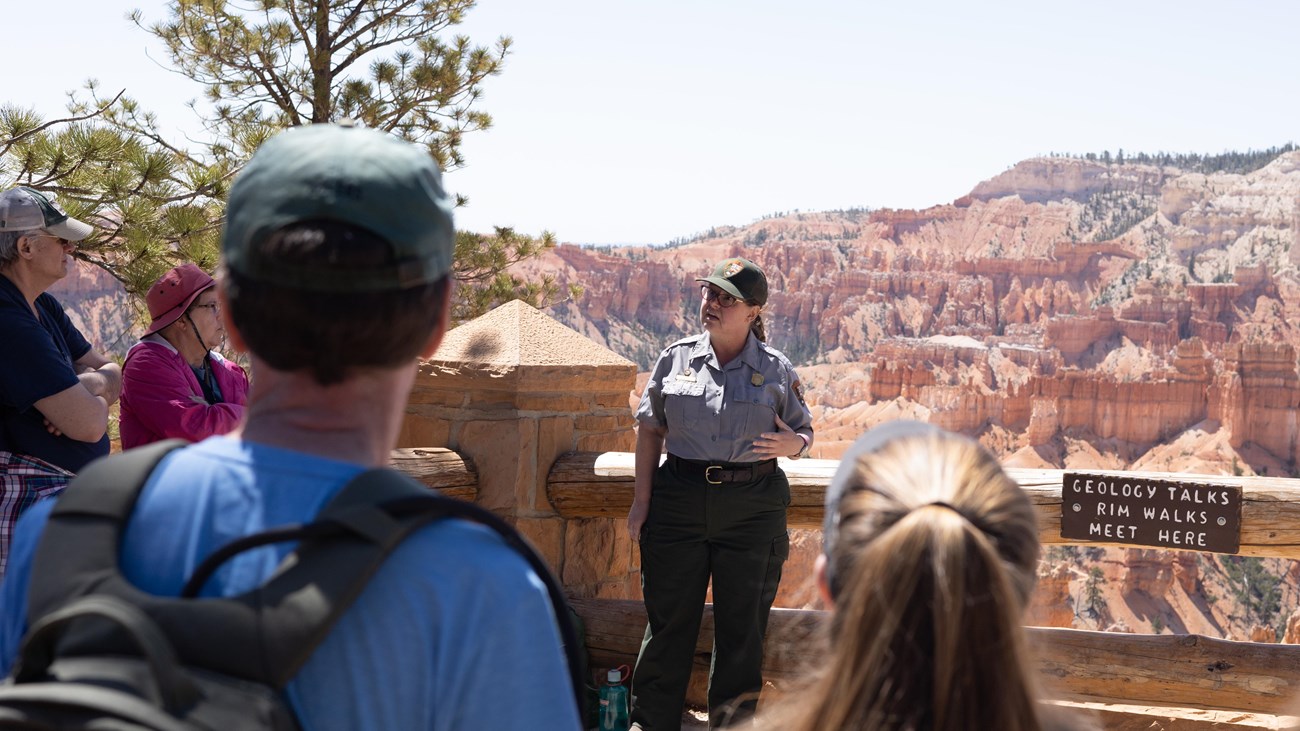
[(161, 398)]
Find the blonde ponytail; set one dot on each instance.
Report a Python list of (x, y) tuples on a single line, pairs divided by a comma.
[(934, 556)]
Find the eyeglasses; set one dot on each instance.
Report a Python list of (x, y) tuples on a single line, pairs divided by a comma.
[(723, 299), (210, 306), (62, 241)]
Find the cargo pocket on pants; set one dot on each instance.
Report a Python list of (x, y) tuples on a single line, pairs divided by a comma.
[(775, 561)]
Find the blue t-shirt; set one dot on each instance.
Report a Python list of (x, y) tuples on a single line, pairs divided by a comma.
[(455, 631), (38, 362)]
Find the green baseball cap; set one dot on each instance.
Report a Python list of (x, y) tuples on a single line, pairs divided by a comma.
[(354, 175), (739, 278)]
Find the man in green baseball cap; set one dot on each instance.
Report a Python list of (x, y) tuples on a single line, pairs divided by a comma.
[(336, 280), (347, 175)]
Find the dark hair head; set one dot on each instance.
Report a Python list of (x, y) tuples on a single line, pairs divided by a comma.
[(332, 335)]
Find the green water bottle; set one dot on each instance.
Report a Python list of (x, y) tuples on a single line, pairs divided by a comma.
[(613, 703)]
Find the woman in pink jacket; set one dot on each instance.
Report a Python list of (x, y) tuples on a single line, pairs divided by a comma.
[(173, 384)]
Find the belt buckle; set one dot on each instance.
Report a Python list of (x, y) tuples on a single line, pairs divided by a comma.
[(708, 479)]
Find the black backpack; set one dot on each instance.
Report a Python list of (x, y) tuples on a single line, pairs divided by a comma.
[(102, 654)]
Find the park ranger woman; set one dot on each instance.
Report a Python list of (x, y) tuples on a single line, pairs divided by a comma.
[(726, 405)]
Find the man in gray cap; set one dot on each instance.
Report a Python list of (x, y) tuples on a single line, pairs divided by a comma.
[(55, 389), (336, 278)]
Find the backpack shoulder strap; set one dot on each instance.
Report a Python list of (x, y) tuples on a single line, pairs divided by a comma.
[(338, 553), (352, 509), (403, 497), (265, 634), (269, 633), (372, 514), (79, 545), (378, 486)]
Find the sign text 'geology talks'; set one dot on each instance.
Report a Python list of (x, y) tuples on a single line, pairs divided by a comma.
[(1192, 516)]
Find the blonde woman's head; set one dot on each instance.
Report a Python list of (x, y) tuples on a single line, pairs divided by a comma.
[(930, 557), (906, 472)]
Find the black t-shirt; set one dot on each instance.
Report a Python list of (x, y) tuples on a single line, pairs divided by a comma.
[(36, 361)]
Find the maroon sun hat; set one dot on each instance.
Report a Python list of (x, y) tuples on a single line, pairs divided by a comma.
[(173, 293)]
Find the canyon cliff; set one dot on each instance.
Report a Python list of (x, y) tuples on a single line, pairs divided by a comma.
[(100, 308), (1068, 312)]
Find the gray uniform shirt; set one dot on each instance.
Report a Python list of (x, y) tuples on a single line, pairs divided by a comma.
[(714, 412)]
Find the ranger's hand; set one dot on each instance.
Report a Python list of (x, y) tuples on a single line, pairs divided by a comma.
[(781, 443), (636, 519)]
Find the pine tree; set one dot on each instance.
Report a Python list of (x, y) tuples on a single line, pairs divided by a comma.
[(1092, 589), (383, 63), (152, 204), (264, 66)]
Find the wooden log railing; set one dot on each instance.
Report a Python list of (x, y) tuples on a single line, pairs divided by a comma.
[(438, 468), (599, 485), (1077, 665)]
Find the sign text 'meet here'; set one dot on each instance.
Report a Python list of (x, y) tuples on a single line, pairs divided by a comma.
[(1190, 516)]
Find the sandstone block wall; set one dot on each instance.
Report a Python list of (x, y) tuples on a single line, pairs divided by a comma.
[(512, 391)]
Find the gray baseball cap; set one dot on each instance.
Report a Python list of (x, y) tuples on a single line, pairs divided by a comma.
[(27, 209), (354, 175)]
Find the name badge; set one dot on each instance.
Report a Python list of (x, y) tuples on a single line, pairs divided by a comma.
[(683, 388)]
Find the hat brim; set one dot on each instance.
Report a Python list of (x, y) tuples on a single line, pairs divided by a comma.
[(725, 286), (175, 313), (70, 229)]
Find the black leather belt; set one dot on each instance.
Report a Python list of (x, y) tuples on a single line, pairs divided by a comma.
[(718, 473)]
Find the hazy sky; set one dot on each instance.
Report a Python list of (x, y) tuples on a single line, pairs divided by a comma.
[(621, 121)]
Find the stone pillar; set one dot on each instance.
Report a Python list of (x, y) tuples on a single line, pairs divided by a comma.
[(1294, 253), (511, 391), (1044, 421)]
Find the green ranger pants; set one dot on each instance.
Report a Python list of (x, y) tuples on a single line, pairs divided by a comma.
[(735, 532)]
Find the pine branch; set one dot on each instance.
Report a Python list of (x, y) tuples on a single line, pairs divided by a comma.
[(62, 121), (291, 8)]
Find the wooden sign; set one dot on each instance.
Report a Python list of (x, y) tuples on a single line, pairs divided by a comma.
[(1190, 516)]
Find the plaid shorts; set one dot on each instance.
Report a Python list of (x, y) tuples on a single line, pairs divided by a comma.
[(23, 481)]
